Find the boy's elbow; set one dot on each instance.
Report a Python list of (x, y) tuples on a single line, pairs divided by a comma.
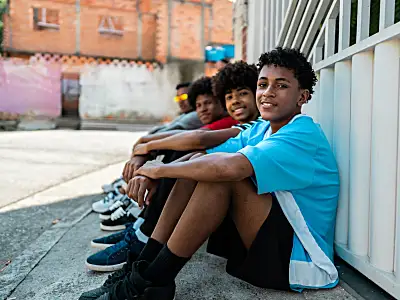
[(236, 167), (200, 140)]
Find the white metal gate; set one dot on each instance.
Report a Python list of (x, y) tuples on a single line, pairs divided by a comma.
[(357, 104)]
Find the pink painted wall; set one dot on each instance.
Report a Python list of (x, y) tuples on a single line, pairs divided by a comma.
[(33, 90)]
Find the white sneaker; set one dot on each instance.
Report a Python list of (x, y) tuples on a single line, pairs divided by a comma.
[(110, 187), (104, 204), (124, 202)]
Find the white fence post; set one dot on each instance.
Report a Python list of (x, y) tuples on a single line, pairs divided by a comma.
[(360, 151), (341, 144), (384, 153), (325, 112)]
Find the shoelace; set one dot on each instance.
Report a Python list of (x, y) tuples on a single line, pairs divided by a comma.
[(120, 212), (116, 276), (116, 205), (108, 198)]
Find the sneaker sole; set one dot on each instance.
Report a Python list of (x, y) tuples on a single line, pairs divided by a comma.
[(98, 268), (100, 246), (104, 217), (99, 211), (112, 228)]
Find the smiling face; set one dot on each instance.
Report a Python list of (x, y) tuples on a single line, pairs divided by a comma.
[(208, 108), (241, 105), (279, 96)]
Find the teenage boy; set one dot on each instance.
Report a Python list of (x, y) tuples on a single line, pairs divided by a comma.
[(274, 188)]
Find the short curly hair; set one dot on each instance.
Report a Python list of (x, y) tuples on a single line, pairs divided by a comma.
[(233, 76), (201, 86), (294, 60)]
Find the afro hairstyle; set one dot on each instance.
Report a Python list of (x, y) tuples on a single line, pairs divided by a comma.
[(294, 60), (234, 76), (201, 86)]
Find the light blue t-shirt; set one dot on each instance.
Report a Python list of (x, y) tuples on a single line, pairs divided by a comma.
[(297, 164)]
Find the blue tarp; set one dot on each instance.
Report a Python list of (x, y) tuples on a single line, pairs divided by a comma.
[(216, 53)]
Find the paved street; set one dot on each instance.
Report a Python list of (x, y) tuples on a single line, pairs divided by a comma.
[(48, 181), (32, 162)]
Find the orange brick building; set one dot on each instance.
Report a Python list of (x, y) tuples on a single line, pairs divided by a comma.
[(146, 30)]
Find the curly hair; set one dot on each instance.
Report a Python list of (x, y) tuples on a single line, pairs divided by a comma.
[(233, 76), (294, 60), (201, 86)]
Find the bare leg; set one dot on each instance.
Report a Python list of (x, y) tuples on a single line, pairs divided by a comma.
[(207, 209), (174, 207)]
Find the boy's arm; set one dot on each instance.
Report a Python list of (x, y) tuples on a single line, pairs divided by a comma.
[(157, 136), (218, 167), (190, 140)]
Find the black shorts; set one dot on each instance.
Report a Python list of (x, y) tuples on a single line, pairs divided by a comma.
[(266, 263)]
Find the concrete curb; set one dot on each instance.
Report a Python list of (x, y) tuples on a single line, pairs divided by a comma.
[(21, 266)]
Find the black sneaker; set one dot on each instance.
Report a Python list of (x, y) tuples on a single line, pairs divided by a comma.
[(119, 219), (110, 240), (111, 280), (124, 203), (135, 286)]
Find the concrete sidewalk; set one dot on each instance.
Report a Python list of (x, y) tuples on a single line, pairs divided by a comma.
[(61, 274), (52, 266)]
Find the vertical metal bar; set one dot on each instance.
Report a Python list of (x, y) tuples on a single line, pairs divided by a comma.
[(363, 16), (386, 14), (344, 24)]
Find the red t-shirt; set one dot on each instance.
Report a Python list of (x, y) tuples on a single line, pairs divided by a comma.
[(226, 122)]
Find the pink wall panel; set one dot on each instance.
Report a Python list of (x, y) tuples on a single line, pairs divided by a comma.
[(30, 89)]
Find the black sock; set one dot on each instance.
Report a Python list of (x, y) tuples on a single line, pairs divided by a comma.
[(150, 251), (165, 267)]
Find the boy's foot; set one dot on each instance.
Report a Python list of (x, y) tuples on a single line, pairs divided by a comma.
[(124, 202), (135, 286), (114, 258), (117, 183), (119, 219), (111, 280), (104, 204), (110, 240)]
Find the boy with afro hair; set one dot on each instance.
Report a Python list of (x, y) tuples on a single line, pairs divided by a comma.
[(235, 87)]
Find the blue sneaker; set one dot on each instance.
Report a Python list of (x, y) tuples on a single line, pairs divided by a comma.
[(114, 258), (109, 240)]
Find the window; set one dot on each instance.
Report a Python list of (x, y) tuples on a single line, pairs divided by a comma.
[(44, 18), (111, 25)]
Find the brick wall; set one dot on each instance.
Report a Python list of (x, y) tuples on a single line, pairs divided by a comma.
[(184, 40), (98, 44), (24, 37)]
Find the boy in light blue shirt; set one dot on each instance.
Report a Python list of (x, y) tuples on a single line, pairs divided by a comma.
[(266, 199)]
